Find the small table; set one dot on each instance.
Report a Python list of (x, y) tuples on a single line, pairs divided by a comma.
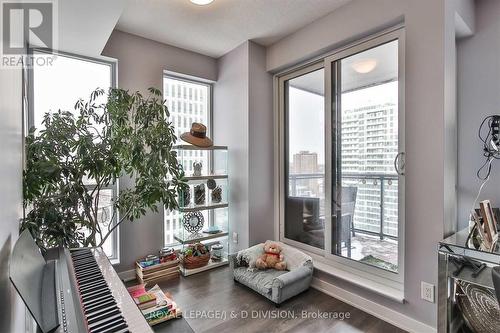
[(450, 251)]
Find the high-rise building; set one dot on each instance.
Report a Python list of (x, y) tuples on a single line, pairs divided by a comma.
[(306, 163), (369, 146)]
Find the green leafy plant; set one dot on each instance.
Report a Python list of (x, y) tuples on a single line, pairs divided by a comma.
[(74, 159)]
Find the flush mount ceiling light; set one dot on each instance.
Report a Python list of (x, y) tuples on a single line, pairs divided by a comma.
[(202, 2), (364, 66)]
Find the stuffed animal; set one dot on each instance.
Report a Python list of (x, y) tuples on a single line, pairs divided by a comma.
[(272, 257)]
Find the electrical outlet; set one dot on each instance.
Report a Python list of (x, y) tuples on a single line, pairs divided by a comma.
[(235, 237), (427, 291)]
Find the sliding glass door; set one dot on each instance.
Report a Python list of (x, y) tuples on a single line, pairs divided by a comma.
[(343, 156)]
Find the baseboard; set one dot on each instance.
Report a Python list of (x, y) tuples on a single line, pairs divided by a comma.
[(127, 275), (386, 314)]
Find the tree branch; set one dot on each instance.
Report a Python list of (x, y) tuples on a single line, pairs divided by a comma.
[(114, 227)]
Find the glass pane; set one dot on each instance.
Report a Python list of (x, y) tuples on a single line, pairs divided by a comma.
[(58, 87), (187, 102), (61, 85), (305, 160), (367, 145)]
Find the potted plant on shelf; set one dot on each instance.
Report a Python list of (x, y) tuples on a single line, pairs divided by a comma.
[(73, 162)]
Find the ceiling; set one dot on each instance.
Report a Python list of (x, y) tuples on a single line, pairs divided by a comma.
[(221, 26), (386, 69)]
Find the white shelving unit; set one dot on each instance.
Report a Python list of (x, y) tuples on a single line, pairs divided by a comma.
[(215, 214)]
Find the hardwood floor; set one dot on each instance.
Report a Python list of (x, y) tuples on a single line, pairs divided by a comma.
[(207, 297)]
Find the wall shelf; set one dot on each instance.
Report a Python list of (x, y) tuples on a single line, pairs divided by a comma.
[(185, 238), (195, 208)]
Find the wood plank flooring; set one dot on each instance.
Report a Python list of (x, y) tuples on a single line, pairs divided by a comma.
[(205, 298)]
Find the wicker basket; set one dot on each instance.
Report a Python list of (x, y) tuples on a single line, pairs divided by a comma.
[(191, 262)]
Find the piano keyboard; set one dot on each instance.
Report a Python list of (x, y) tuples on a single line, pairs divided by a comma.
[(104, 299)]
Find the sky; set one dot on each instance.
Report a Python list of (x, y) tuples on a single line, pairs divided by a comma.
[(306, 114)]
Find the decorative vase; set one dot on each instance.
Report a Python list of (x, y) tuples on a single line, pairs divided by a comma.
[(199, 194), (217, 194)]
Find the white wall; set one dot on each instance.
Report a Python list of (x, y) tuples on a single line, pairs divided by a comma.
[(478, 97), (429, 125), (243, 120), (12, 314), (141, 63)]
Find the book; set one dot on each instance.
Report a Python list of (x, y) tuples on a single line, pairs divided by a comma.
[(145, 301), (165, 309), (137, 290)]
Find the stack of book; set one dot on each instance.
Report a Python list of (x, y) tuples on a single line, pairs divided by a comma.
[(145, 301), (160, 272), (163, 309)]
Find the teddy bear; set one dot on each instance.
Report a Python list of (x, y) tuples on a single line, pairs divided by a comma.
[(272, 257)]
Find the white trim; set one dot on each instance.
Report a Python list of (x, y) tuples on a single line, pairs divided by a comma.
[(127, 276), (384, 313), (383, 289)]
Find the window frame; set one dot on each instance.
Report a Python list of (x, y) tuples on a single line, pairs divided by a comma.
[(210, 85), (30, 116), (327, 261)]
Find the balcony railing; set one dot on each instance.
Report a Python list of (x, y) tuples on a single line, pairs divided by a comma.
[(376, 209)]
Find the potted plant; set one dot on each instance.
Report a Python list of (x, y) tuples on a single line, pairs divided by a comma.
[(74, 159)]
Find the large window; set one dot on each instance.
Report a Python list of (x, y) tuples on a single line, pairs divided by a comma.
[(188, 101), (341, 128), (57, 87)]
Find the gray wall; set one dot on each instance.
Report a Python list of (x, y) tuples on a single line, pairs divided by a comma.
[(12, 314), (141, 63), (243, 120), (428, 31), (230, 121), (478, 96), (261, 147)]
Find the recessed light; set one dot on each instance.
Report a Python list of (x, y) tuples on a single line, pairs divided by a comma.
[(202, 2), (364, 66)]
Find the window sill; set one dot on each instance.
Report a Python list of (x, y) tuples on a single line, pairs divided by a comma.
[(395, 293), (114, 261)]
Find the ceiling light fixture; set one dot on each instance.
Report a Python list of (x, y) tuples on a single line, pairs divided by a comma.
[(364, 66), (202, 2)]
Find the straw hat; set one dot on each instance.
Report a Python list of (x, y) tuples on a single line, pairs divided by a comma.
[(197, 136)]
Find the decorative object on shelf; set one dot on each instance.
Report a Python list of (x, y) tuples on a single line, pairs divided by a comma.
[(195, 256), (213, 229), (167, 254), (216, 250), (199, 194), (184, 197), (149, 260), (217, 194), (197, 136), (211, 184), (193, 222), (197, 166)]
